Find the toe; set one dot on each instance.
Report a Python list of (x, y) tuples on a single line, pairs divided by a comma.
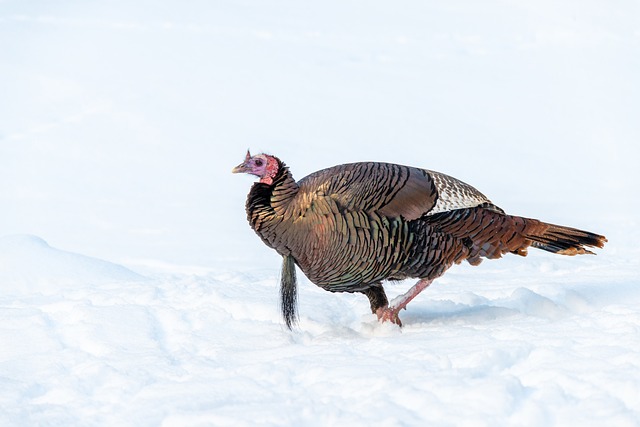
[(387, 314)]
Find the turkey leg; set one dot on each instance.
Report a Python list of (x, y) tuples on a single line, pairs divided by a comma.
[(390, 313), (377, 297)]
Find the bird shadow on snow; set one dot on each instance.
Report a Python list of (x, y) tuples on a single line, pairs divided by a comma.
[(563, 294), (347, 318), (472, 309)]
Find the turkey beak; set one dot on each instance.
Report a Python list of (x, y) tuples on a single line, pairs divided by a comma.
[(242, 167)]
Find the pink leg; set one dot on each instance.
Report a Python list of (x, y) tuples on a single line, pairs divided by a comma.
[(390, 313)]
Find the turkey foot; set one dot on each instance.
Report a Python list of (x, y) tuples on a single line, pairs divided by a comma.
[(390, 313)]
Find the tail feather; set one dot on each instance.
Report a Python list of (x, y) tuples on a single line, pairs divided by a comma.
[(490, 233), (566, 240)]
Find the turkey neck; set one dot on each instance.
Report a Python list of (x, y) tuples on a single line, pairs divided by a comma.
[(267, 206)]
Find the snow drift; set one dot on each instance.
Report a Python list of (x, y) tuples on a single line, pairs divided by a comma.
[(29, 265)]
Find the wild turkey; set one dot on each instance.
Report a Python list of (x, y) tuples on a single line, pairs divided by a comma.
[(353, 226)]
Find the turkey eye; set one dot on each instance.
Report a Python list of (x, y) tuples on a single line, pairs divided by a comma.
[(258, 162)]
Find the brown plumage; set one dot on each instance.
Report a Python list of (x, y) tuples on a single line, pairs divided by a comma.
[(353, 226)]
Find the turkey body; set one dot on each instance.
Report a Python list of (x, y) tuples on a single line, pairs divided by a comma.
[(353, 226)]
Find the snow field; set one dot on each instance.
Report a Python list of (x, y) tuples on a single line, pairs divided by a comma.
[(133, 293), (212, 350)]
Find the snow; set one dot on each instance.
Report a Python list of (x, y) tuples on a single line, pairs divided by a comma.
[(132, 291), (30, 265)]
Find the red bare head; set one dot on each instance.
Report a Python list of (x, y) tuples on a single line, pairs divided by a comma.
[(262, 165)]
